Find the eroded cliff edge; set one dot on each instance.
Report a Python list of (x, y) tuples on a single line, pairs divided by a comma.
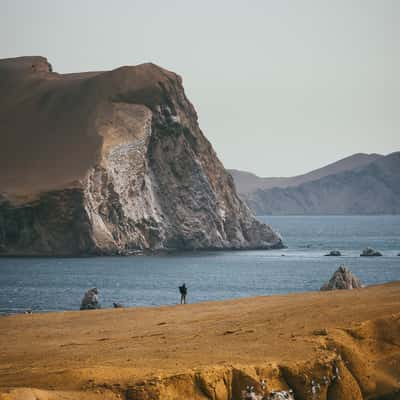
[(111, 163)]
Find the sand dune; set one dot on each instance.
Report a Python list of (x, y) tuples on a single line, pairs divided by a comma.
[(209, 350)]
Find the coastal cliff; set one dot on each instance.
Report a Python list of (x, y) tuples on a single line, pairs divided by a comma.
[(111, 163)]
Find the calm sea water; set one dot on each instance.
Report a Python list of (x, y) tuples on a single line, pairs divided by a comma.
[(49, 284)]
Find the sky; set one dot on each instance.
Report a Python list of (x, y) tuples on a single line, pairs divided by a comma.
[(281, 87)]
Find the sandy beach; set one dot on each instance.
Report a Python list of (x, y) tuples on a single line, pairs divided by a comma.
[(209, 350)]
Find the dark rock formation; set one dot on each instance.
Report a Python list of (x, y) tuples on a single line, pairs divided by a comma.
[(343, 278), (334, 253), (90, 300), (370, 252), (373, 188), (117, 305), (111, 163)]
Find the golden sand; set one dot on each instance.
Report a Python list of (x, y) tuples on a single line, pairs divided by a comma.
[(209, 350)]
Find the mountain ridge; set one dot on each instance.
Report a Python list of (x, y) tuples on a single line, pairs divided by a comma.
[(371, 188), (256, 182)]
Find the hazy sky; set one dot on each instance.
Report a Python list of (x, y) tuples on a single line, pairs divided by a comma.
[(281, 87)]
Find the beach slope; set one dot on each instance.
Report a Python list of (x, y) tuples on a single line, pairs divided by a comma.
[(347, 342)]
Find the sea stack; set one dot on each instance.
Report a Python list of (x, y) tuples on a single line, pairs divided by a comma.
[(111, 163), (343, 278)]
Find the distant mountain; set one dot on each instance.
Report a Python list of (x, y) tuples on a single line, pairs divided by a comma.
[(350, 186), (246, 182)]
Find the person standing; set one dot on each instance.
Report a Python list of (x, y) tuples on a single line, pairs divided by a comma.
[(183, 292)]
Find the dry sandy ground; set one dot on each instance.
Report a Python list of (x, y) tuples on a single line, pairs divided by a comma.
[(209, 350)]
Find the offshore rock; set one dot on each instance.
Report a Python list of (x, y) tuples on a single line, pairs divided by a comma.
[(334, 253), (370, 252), (111, 163), (90, 300), (343, 278)]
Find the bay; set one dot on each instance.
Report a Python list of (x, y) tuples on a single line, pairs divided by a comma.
[(55, 284)]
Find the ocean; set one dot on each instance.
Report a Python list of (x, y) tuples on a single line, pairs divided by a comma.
[(55, 284)]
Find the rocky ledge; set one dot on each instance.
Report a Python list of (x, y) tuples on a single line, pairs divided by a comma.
[(111, 163)]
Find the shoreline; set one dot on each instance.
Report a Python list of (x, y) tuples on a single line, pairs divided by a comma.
[(156, 306), (217, 347), (149, 252)]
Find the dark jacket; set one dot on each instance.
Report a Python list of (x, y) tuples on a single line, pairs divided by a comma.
[(183, 290)]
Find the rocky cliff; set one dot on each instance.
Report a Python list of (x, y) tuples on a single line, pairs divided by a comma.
[(111, 163)]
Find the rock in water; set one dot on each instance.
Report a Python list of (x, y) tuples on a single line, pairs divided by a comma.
[(370, 252), (90, 300), (343, 278), (111, 163), (334, 253)]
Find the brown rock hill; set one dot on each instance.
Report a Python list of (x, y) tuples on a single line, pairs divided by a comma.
[(368, 188), (111, 162), (248, 182)]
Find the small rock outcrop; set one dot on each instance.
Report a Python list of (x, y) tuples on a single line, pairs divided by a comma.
[(143, 177), (334, 253), (250, 393), (343, 278), (370, 252), (118, 305), (90, 300)]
